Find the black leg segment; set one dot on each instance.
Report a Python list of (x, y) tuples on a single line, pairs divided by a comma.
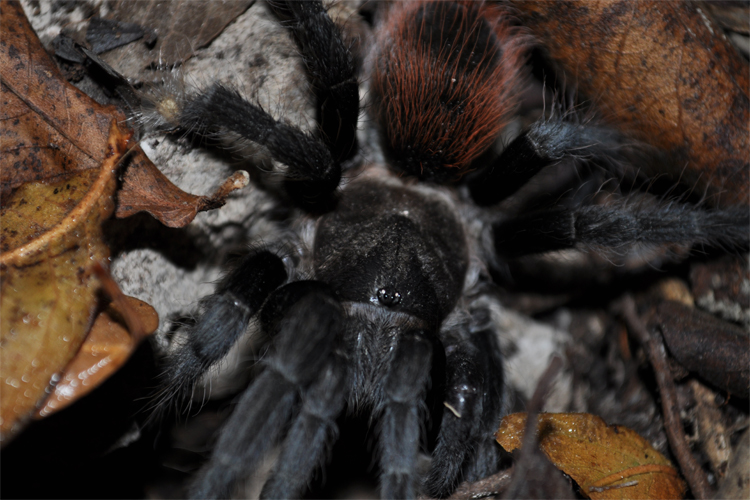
[(312, 431), (622, 224), (226, 316), (299, 352), (541, 145), (331, 70), (222, 108), (400, 434), (473, 399)]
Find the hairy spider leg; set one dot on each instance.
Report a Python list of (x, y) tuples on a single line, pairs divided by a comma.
[(303, 338), (627, 221), (311, 433), (540, 145), (473, 406), (632, 219), (399, 429), (332, 72), (226, 316), (314, 160), (220, 107)]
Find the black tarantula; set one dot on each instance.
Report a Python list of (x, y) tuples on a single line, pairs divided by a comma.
[(383, 317)]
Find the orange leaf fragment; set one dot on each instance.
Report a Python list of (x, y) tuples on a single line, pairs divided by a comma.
[(107, 347), (607, 462)]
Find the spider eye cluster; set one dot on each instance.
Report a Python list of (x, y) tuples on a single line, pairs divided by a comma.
[(388, 297)]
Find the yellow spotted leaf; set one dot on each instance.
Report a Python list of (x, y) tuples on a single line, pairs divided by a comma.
[(106, 348), (607, 461), (59, 151)]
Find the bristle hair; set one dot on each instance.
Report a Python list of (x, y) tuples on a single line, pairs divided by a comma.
[(161, 102)]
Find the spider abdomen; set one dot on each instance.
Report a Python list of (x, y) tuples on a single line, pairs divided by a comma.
[(444, 79)]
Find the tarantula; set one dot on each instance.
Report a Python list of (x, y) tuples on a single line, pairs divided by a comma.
[(369, 309)]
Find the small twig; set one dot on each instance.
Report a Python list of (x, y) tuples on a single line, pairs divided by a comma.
[(530, 440), (657, 355), (488, 487), (543, 386), (535, 405)]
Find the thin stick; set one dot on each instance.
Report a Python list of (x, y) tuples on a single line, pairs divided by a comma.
[(530, 439), (657, 355), (488, 487)]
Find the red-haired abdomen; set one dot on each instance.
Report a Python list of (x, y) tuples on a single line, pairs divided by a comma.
[(444, 79)]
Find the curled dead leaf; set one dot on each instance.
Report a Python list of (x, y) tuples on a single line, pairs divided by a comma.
[(607, 462), (48, 291), (146, 189), (59, 152)]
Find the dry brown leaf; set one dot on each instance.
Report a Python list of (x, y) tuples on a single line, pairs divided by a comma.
[(50, 129), (48, 289), (182, 26), (59, 152), (67, 129), (665, 73), (146, 189), (107, 347), (607, 462)]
